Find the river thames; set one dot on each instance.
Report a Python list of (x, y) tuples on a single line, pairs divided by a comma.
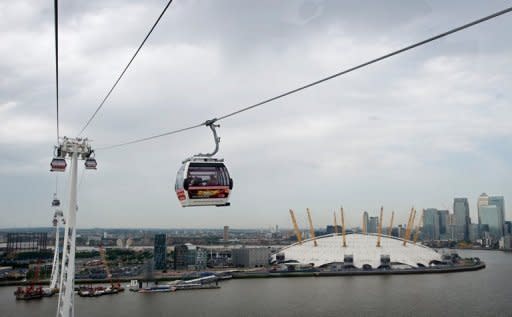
[(486, 292)]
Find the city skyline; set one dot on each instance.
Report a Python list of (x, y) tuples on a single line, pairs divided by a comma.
[(416, 130)]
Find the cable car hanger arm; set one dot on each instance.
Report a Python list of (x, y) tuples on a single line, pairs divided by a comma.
[(211, 123)]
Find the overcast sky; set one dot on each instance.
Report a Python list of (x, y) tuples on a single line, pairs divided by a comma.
[(416, 130)]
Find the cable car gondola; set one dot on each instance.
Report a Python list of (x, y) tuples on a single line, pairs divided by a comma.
[(58, 163), (55, 201), (203, 180), (90, 163)]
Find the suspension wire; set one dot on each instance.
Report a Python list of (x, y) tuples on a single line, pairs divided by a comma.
[(56, 14), (150, 137), (346, 71), (125, 69)]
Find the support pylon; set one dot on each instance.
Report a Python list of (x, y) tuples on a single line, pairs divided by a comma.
[(343, 232), (74, 149)]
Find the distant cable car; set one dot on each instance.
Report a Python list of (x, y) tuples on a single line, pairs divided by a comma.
[(90, 163), (55, 201), (203, 180)]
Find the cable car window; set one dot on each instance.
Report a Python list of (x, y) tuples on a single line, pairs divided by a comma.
[(207, 175), (179, 177)]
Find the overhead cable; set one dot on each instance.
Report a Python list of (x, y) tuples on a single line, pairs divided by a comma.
[(346, 71), (124, 70), (56, 14)]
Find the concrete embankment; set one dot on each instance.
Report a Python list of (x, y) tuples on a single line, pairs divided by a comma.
[(447, 269)]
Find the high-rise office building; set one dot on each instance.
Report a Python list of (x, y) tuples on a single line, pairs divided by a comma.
[(462, 220), (499, 202), (365, 222), (483, 200), (431, 224), (490, 217), (160, 251), (226, 233), (443, 224), (373, 224), (474, 232)]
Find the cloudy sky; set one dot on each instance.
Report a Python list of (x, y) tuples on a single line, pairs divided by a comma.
[(416, 130)]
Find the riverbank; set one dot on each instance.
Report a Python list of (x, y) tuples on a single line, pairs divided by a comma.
[(448, 269)]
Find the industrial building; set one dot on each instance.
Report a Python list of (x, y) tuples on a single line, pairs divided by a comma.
[(361, 251), (26, 241), (250, 257), (189, 257)]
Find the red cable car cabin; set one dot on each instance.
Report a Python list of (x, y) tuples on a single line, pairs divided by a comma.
[(203, 181)]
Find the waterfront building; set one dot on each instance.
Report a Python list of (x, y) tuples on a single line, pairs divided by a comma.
[(160, 251), (462, 220), (250, 257), (189, 257), (373, 224), (499, 202), (443, 224), (474, 232), (361, 251), (330, 229), (491, 216), (451, 232), (508, 227), (431, 224)]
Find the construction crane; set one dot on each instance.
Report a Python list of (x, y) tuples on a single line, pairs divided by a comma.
[(103, 256), (343, 228), (296, 227), (410, 224), (390, 229), (335, 224), (32, 291), (104, 261), (420, 223), (380, 226), (311, 228)]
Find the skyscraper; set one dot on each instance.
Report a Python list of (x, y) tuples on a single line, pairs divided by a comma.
[(499, 202), (443, 224), (373, 224), (490, 217), (160, 251), (431, 224), (365, 222), (483, 200), (462, 220), (226, 233)]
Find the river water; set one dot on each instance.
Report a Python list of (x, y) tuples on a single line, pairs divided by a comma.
[(486, 292)]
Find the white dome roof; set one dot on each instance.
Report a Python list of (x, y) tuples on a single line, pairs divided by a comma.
[(362, 247)]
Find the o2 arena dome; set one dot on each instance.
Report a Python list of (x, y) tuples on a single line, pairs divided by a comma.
[(361, 251)]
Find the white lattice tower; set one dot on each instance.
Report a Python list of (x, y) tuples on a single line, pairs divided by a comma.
[(58, 219), (74, 149)]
